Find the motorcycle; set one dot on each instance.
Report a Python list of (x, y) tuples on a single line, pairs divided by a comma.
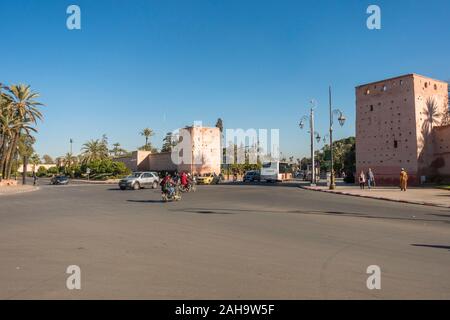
[(191, 186), (175, 196)]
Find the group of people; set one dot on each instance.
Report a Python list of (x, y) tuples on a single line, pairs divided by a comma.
[(369, 178), (169, 183)]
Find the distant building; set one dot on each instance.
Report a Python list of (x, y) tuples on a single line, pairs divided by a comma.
[(204, 154), (35, 167), (398, 125)]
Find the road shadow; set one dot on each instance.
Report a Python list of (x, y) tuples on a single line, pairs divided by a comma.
[(128, 190), (206, 211), (147, 201), (305, 212), (431, 246), (264, 184)]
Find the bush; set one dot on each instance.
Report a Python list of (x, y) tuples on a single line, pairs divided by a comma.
[(41, 172), (105, 169), (52, 170)]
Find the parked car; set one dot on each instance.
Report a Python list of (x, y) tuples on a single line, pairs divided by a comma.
[(59, 180), (139, 180), (208, 178), (252, 176)]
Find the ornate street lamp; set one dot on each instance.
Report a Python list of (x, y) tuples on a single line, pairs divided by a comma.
[(312, 133), (318, 137), (341, 118)]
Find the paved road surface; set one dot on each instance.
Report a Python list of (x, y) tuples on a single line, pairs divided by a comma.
[(226, 241)]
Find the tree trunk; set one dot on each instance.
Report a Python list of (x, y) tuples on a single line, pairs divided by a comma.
[(6, 161), (11, 154), (3, 157), (24, 173)]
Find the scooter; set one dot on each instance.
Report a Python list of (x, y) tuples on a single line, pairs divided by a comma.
[(175, 196), (191, 186)]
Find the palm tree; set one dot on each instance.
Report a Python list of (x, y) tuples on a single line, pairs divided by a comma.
[(94, 150), (35, 160), (19, 112), (69, 160), (117, 150), (147, 133), (47, 159)]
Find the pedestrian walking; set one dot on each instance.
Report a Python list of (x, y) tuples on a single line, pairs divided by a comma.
[(34, 178), (403, 180), (362, 180), (370, 179)]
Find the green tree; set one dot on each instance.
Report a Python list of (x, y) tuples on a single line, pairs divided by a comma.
[(19, 113), (35, 160), (94, 150), (219, 124), (47, 159), (41, 172), (147, 133), (168, 143), (117, 150)]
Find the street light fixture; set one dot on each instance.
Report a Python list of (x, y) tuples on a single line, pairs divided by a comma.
[(325, 137), (318, 137), (341, 118)]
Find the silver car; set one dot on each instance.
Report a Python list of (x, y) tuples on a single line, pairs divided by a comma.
[(139, 180)]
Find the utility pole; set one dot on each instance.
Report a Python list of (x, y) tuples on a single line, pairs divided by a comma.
[(341, 119), (317, 137), (313, 163), (332, 180)]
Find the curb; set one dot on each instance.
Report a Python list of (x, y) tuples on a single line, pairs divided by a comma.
[(423, 203)]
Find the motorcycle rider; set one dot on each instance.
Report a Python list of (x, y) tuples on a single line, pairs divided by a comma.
[(167, 185), (184, 179)]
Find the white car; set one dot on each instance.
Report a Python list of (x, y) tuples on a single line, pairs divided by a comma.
[(140, 179)]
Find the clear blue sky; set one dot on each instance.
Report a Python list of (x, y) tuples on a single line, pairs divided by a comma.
[(254, 63)]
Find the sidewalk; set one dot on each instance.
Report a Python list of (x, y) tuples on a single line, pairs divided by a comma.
[(9, 190), (424, 196)]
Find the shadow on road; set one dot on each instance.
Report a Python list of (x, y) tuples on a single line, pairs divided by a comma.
[(206, 211), (263, 184), (431, 246), (305, 212), (147, 201)]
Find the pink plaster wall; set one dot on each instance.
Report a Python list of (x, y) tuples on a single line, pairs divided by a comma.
[(205, 142), (390, 120), (442, 149)]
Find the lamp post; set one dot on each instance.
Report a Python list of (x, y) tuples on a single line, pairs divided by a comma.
[(312, 132), (341, 119)]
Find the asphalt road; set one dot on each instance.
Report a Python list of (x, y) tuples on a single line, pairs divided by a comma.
[(222, 242)]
